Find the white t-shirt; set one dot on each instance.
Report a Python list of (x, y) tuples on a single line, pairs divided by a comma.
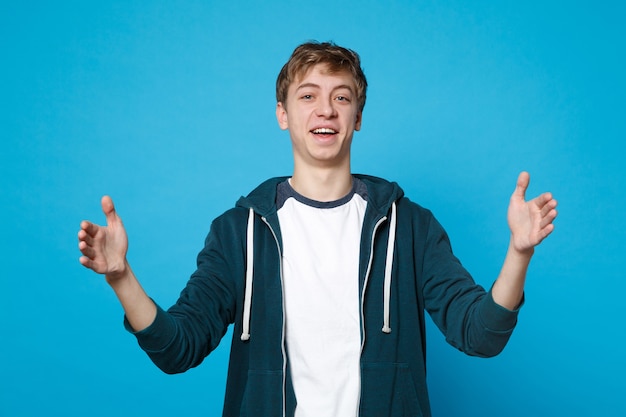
[(321, 242)]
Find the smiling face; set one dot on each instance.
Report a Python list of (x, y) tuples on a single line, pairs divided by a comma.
[(321, 113)]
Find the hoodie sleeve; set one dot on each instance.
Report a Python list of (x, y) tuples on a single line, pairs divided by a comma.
[(181, 337), (464, 311)]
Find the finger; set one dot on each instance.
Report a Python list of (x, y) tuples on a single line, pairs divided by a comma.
[(90, 228), (108, 208), (83, 236), (522, 184), (112, 218), (84, 261), (86, 249), (544, 199), (87, 263), (548, 218), (545, 231), (549, 205)]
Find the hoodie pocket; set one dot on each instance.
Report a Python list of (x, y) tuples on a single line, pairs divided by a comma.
[(388, 390), (263, 394)]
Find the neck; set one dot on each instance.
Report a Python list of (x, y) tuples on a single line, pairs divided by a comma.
[(322, 184)]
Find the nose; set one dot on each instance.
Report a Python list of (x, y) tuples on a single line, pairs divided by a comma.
[(326, 108)]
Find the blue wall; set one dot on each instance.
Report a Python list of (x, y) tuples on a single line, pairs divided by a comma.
[(169, 107)]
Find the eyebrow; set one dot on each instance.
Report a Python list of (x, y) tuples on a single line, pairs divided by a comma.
[(313, 85)]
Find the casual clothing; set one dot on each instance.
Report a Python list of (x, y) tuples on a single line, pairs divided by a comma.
[(239, 279)]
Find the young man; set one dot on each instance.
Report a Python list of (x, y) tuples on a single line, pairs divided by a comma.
[(326, 275)]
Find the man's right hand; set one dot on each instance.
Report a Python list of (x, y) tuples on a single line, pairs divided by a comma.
[(104, 251), (104, 248)]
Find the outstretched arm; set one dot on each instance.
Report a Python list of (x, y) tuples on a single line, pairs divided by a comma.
[(104, 251), (530, 222)]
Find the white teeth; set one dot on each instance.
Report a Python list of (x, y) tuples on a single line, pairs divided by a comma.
[(324, 130)]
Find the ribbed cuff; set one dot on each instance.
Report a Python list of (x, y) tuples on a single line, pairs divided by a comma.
[(497, 318), (158, 335)]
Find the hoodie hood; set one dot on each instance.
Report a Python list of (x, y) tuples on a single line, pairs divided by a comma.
[(263, 198), (380, 194)]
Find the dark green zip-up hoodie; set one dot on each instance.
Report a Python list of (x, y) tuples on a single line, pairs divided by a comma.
[(423, 275)]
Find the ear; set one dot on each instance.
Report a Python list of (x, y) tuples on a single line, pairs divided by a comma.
[(281, 116), (357, 123)]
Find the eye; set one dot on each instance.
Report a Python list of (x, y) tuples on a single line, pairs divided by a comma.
[(307, 97), (342, 98)]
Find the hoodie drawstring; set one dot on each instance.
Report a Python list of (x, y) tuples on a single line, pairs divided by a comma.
[(247, 303), (388, 267)]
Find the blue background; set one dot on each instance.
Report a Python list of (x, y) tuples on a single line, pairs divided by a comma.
[(168, 106)]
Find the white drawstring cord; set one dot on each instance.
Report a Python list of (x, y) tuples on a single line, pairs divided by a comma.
[(388, 267), (245, 335)]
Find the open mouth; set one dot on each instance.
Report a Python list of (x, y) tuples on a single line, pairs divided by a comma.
[(324, 131)]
